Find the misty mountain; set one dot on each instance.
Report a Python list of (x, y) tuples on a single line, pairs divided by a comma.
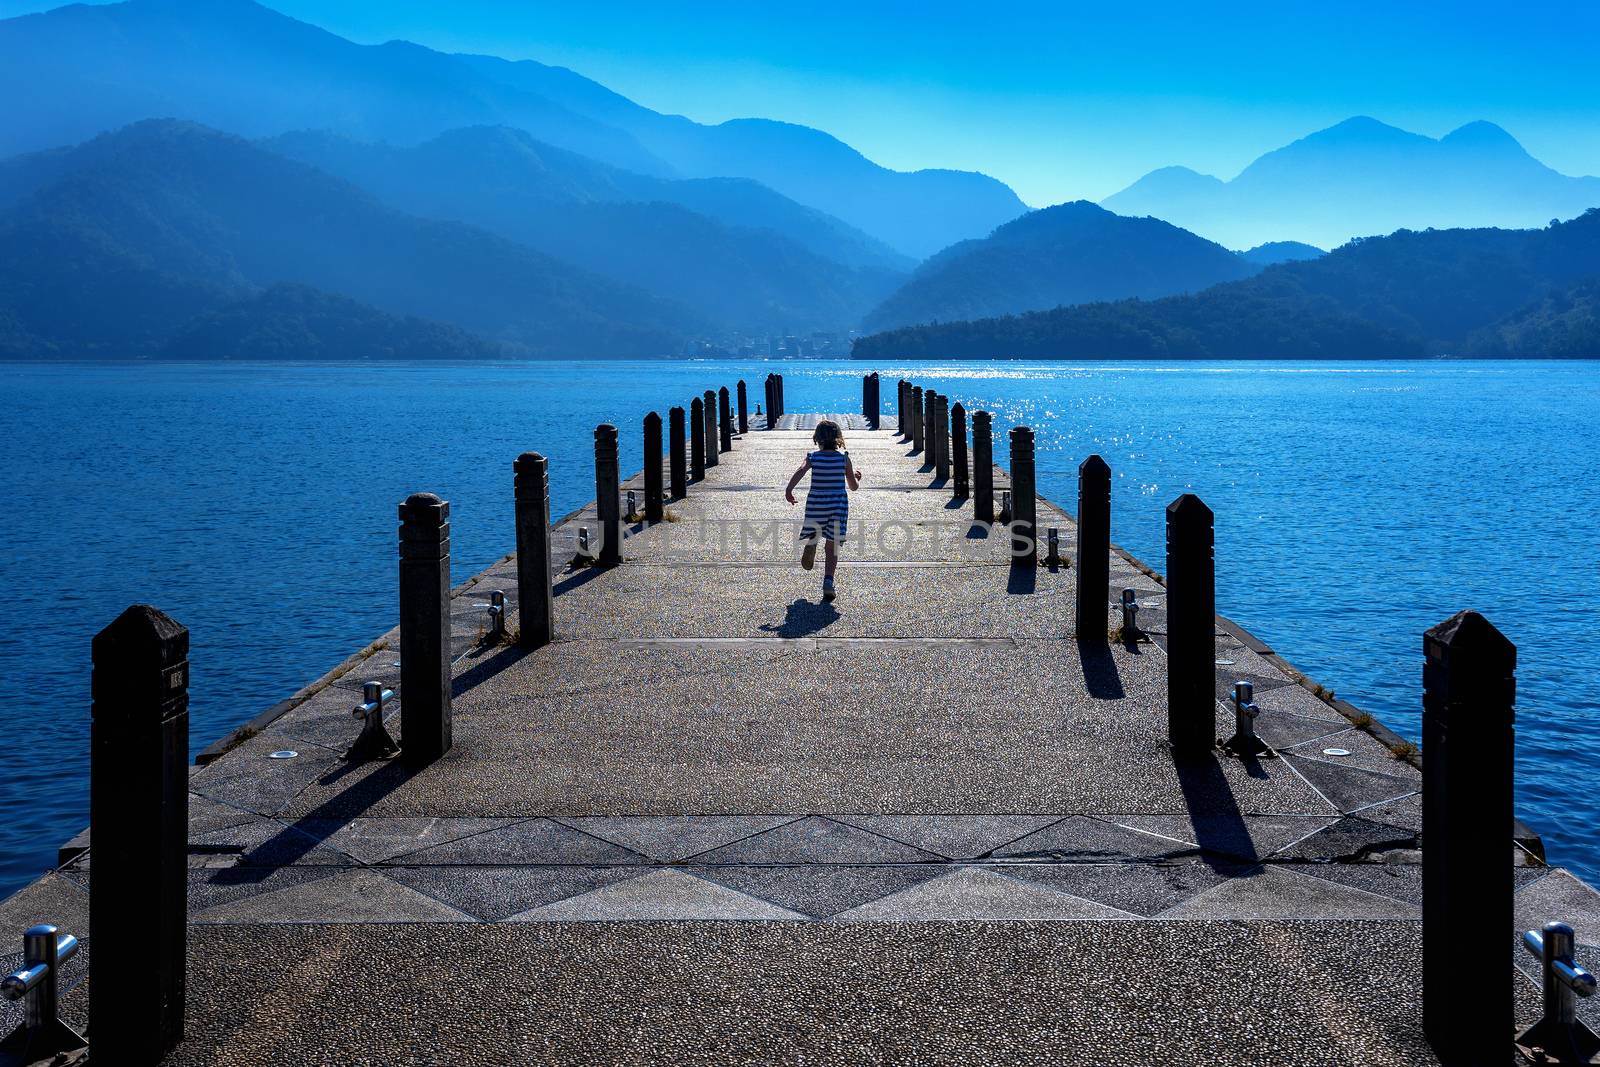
[(918, 212), (606, 221), (1073, 253), (1410, 294), (1265, 255), (1363, 177), (234, 65), (298, 322), (112, 247)]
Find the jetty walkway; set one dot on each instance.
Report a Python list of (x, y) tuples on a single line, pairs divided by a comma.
[(718, 820)]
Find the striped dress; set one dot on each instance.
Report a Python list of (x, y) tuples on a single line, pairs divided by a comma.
[(827, 502)]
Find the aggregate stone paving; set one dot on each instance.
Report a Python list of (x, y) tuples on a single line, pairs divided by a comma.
[(1325, 994), (670, 838), (1276, 892), (820, 891), (1363, 751), (1229, 834), (1144, 889), (954, 837), (355, 895), (1351, 788), (979, 893)]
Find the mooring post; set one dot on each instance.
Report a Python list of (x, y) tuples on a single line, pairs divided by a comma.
[(783, 407), (653, 510), (676, 460), (941, 438), (744, 409), (1024, 503), (875, 415), (425, 714), (709, 406), (866, 396), (958, 451), (139, 814), (1191, 625), (902, 390), (930, 432), (772, 403), (536, 602), (697, 438), (607, 494), (1094, 547), (917, 425), (983, 466), (1468, 711), (725, 419)]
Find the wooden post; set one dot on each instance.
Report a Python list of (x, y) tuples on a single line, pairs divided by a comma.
[(607, 493), (772, 402), (941, 438), (983, 466), (425, 714), (958, 451), (930, 433), (139, 815), (653, 511), (1024, 503), (725, 419), (535, 594), (1094, 547), (902, 392), (1468, 711), (875, 402), (710, 408), (697, 439), (1191, 626), (677, 461), (744, 409)]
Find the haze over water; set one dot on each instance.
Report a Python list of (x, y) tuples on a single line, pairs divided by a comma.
[(1357, 504)]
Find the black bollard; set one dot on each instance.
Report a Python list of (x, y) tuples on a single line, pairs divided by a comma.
[(1024, 503), (652, 468), (930, 437), (958, 450), (1468, 710), (941, 438), (983, 466), (725, 419), (139, 814), (607, 494), (772, 402), (866, 396), (1191, 625), (916, 419), (902, 404), (535, 597), (697, 439), (710, 408), (875, 403), (676, 460), (425, 714), (1094, 547), (744, 409)]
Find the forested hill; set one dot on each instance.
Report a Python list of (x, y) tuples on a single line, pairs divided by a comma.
[(1068, 254), (1437, 292)]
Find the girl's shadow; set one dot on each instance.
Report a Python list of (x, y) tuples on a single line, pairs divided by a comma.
[(802, 618)]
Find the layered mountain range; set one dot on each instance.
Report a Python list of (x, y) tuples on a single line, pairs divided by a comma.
[(180, 177), (1363, 178)]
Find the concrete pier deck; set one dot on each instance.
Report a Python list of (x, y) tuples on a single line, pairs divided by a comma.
[(721, 821)]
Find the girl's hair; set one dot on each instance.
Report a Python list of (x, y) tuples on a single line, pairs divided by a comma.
[(828, 436)]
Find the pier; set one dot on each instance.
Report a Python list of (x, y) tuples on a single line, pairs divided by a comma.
[(974, 810)]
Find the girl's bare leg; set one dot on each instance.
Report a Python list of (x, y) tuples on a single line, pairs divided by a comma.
[(830, 558)]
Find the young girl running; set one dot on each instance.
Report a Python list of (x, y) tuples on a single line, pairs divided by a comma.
[(827, 504)]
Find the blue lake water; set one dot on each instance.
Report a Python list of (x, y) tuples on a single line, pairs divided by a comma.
[(1357, 504)]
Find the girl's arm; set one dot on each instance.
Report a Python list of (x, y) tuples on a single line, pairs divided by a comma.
[(851, 475), (788, 493)]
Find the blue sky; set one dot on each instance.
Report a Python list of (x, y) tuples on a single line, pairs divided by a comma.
[(1060, 100)]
